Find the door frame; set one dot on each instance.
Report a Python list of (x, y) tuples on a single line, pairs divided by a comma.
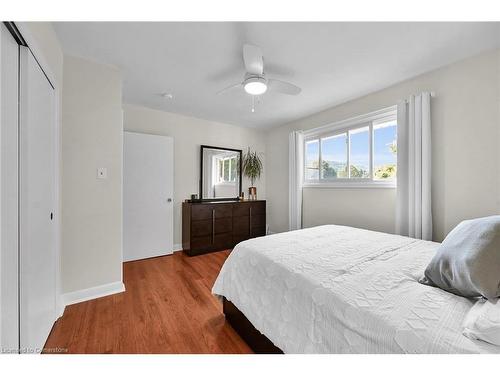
[(36, 50)]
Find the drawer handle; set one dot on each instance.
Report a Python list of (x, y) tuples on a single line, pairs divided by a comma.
[(250, 222), (213, 226)]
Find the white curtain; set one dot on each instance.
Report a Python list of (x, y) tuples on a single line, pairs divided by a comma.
[(413, 215), (296, 167)]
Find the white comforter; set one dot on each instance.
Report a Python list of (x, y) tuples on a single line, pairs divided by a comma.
[(335, 289)]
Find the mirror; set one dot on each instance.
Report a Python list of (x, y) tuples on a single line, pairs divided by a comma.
[(220, 173)]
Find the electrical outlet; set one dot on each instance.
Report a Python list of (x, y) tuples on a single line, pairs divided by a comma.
[(102, 173)]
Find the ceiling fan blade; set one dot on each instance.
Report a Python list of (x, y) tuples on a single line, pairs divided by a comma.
[(283, 87), (252, 56), (228, 88)]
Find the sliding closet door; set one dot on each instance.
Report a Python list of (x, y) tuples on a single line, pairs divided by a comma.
[(147, 196), (9, 303), (37, 203)]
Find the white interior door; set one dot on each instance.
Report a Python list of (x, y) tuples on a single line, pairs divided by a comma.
[(37, 203), (147, 196), (9, 302)]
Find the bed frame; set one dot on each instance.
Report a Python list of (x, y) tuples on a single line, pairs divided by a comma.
[(259, 343)]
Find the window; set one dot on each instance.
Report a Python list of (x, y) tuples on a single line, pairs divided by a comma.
[(334, 156), (227, 169), (312, 160), (384, 150), (360, 151)]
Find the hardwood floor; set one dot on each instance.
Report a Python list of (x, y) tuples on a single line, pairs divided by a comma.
[(167, 308)]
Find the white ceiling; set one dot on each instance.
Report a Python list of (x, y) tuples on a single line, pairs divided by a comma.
[(332, 62)]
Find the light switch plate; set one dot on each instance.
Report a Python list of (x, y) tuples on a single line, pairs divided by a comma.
[(102, 173)]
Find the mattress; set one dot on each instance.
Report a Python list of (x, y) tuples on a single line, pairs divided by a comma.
[(337, 289)]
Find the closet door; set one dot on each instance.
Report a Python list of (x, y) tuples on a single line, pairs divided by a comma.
[(37, 202), (9, 303)]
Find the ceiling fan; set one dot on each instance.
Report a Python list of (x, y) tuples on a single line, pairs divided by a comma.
[(255, 81)]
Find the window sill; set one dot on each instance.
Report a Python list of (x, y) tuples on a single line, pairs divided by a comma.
[(351, 185)]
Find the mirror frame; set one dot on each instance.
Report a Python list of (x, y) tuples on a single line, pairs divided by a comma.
[(240, 182)]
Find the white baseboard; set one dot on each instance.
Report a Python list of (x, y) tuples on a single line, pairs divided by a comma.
[(92, 293), (177, 247)]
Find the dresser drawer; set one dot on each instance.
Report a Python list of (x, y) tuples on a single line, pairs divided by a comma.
[(241, 225), (224, 225), (199, 243), (201, 211), (241, 209), (258, 208), (258, 220), (223, 241), (258, 231), (223, 210), (201, 228)]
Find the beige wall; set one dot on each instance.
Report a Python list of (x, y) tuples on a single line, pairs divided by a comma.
[(91, 208), (465, 160), (361, 208), (188, 134)]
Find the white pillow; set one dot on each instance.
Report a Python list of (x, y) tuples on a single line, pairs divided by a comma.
[(482, 322)]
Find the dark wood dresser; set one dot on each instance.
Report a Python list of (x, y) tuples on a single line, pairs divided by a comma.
[(213, 226)]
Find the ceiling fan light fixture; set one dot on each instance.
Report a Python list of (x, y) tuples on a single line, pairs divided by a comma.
[(255, 86)]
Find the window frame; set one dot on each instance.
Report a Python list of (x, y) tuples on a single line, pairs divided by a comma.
[(345, 127)]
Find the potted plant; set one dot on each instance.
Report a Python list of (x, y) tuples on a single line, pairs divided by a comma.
[(252, 168)]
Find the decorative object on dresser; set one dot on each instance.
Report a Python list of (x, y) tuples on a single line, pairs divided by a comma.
[(220, 225), (252, 168)]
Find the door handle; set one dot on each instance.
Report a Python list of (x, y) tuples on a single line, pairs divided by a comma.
[(169, 200)]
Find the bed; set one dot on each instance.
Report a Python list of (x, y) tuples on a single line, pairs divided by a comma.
[(337, 289)]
